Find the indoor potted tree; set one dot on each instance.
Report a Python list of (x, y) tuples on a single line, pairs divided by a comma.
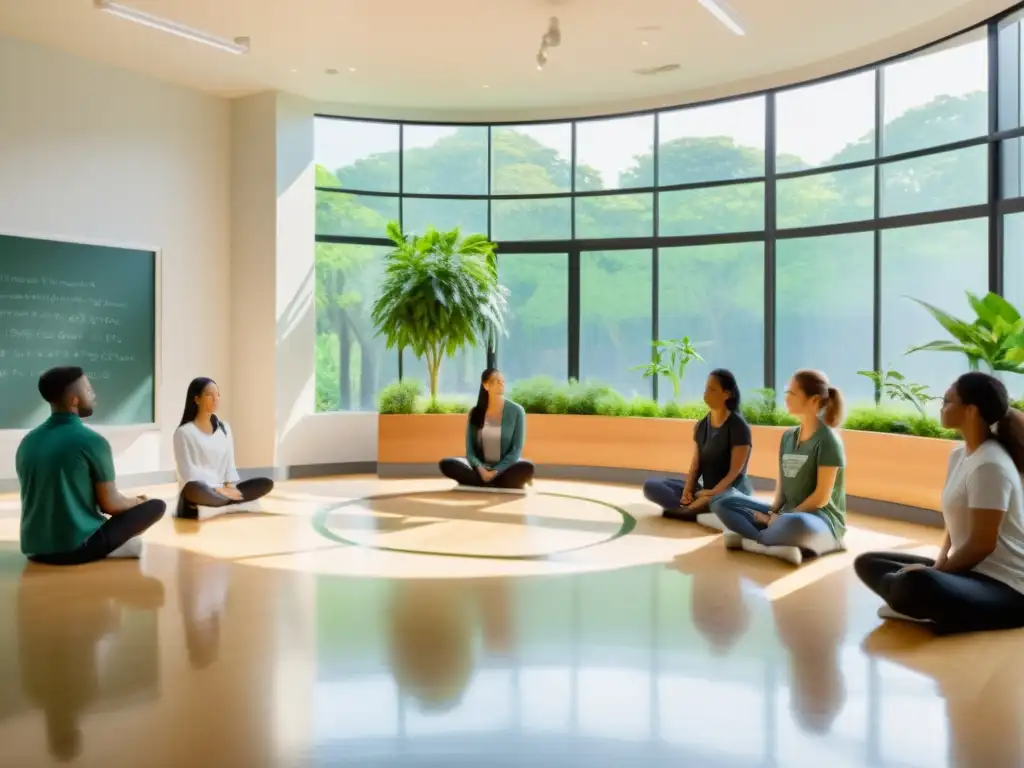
[(440, 294)]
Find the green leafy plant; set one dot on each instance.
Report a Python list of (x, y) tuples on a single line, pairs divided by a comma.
[(995, 337), (536, 394), (440, 293), (673, 410), (399, 397), (893, 385), (763, 410), (895, 421), (670, 359)]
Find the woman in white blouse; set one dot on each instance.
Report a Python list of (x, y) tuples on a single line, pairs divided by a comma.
[(204, 455)]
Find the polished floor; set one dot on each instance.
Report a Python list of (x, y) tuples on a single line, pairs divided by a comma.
[(426, 627)]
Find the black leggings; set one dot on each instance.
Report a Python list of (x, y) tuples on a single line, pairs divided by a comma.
[(954, 602), (516, 477), (114, 533), (196, 494)]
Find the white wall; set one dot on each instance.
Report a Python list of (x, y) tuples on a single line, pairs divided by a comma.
[(273, 295), (88, 151)]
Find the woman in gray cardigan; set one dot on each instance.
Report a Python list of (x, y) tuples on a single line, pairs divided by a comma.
[(495, 434)]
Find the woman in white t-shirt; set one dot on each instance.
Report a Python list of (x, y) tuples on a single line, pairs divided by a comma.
[(977, 581), (204, 456)]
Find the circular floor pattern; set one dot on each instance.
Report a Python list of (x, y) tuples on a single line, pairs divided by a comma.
[(462, 524)]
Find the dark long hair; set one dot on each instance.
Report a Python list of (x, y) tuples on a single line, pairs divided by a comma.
[(989, 396), (477, 413), (728, 382), (195, 389)]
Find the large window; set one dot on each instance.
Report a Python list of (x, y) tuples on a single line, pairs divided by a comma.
[(934, 263), (824, 310), (699, 220), (615, 318), (351, 362), (538, 328), (714, 295)]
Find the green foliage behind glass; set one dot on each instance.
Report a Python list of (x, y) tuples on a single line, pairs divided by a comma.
[(543, 395)]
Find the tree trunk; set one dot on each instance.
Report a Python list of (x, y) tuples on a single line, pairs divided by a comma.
[(344, 366), (368, 384), (433, 369)]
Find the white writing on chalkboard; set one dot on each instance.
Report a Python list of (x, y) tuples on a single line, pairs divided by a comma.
[(82, 328)]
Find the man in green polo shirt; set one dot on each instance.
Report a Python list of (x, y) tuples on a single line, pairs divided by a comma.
[(71, 510)]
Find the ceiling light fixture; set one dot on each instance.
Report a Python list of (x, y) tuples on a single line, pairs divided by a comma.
[(721, 11), (550, 39), (351, 69), (239, 45)]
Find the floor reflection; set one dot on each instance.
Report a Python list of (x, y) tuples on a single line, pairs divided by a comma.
[(86, 643), (705, 658)]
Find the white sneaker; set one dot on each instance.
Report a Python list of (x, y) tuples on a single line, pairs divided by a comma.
[(885, 611), (732, 540), (710, 520), (791, 555), (131, 549)]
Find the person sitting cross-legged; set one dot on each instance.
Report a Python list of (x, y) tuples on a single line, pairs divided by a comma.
[(720, 453), (977, 581), (495, 435), (204, 456), (71, 510), (808, 513)]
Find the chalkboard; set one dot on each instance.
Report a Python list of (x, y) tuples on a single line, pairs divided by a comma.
[(72, 304)]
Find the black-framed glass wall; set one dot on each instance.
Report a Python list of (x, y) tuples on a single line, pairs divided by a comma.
[(783, 229)]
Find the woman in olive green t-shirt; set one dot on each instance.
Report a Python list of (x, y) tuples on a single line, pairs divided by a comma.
[(808, 513)]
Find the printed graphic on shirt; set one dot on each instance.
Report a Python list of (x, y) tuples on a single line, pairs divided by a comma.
[(792, 463)]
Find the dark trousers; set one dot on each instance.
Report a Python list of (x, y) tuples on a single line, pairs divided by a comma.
[(516, 477), (954, 602), (195, 495), (114, 533)]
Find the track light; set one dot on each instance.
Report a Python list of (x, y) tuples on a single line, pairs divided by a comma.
[(239, 45)]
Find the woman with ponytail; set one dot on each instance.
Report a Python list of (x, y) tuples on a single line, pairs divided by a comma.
[(808, 513), (204, 456), (495, 434), (977, 581)]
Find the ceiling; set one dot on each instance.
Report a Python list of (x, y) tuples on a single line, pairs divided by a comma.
[(475, 58)]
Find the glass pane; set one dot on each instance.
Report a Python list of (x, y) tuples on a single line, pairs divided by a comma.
[(735, 208), (531, 159), (356, 154), (1013, 169), (937, 97), (712, 143), (714, 294), (615, 154), (912, 259), (340, 213), (826, 198), (538, 328), (615, 216), (935, 182), (835, 335), (460, 375), (531, 219), (1009, 72), (615, 318), (418, 213), (1013, 260), (445, 160), (826, 123), (352, 364)]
